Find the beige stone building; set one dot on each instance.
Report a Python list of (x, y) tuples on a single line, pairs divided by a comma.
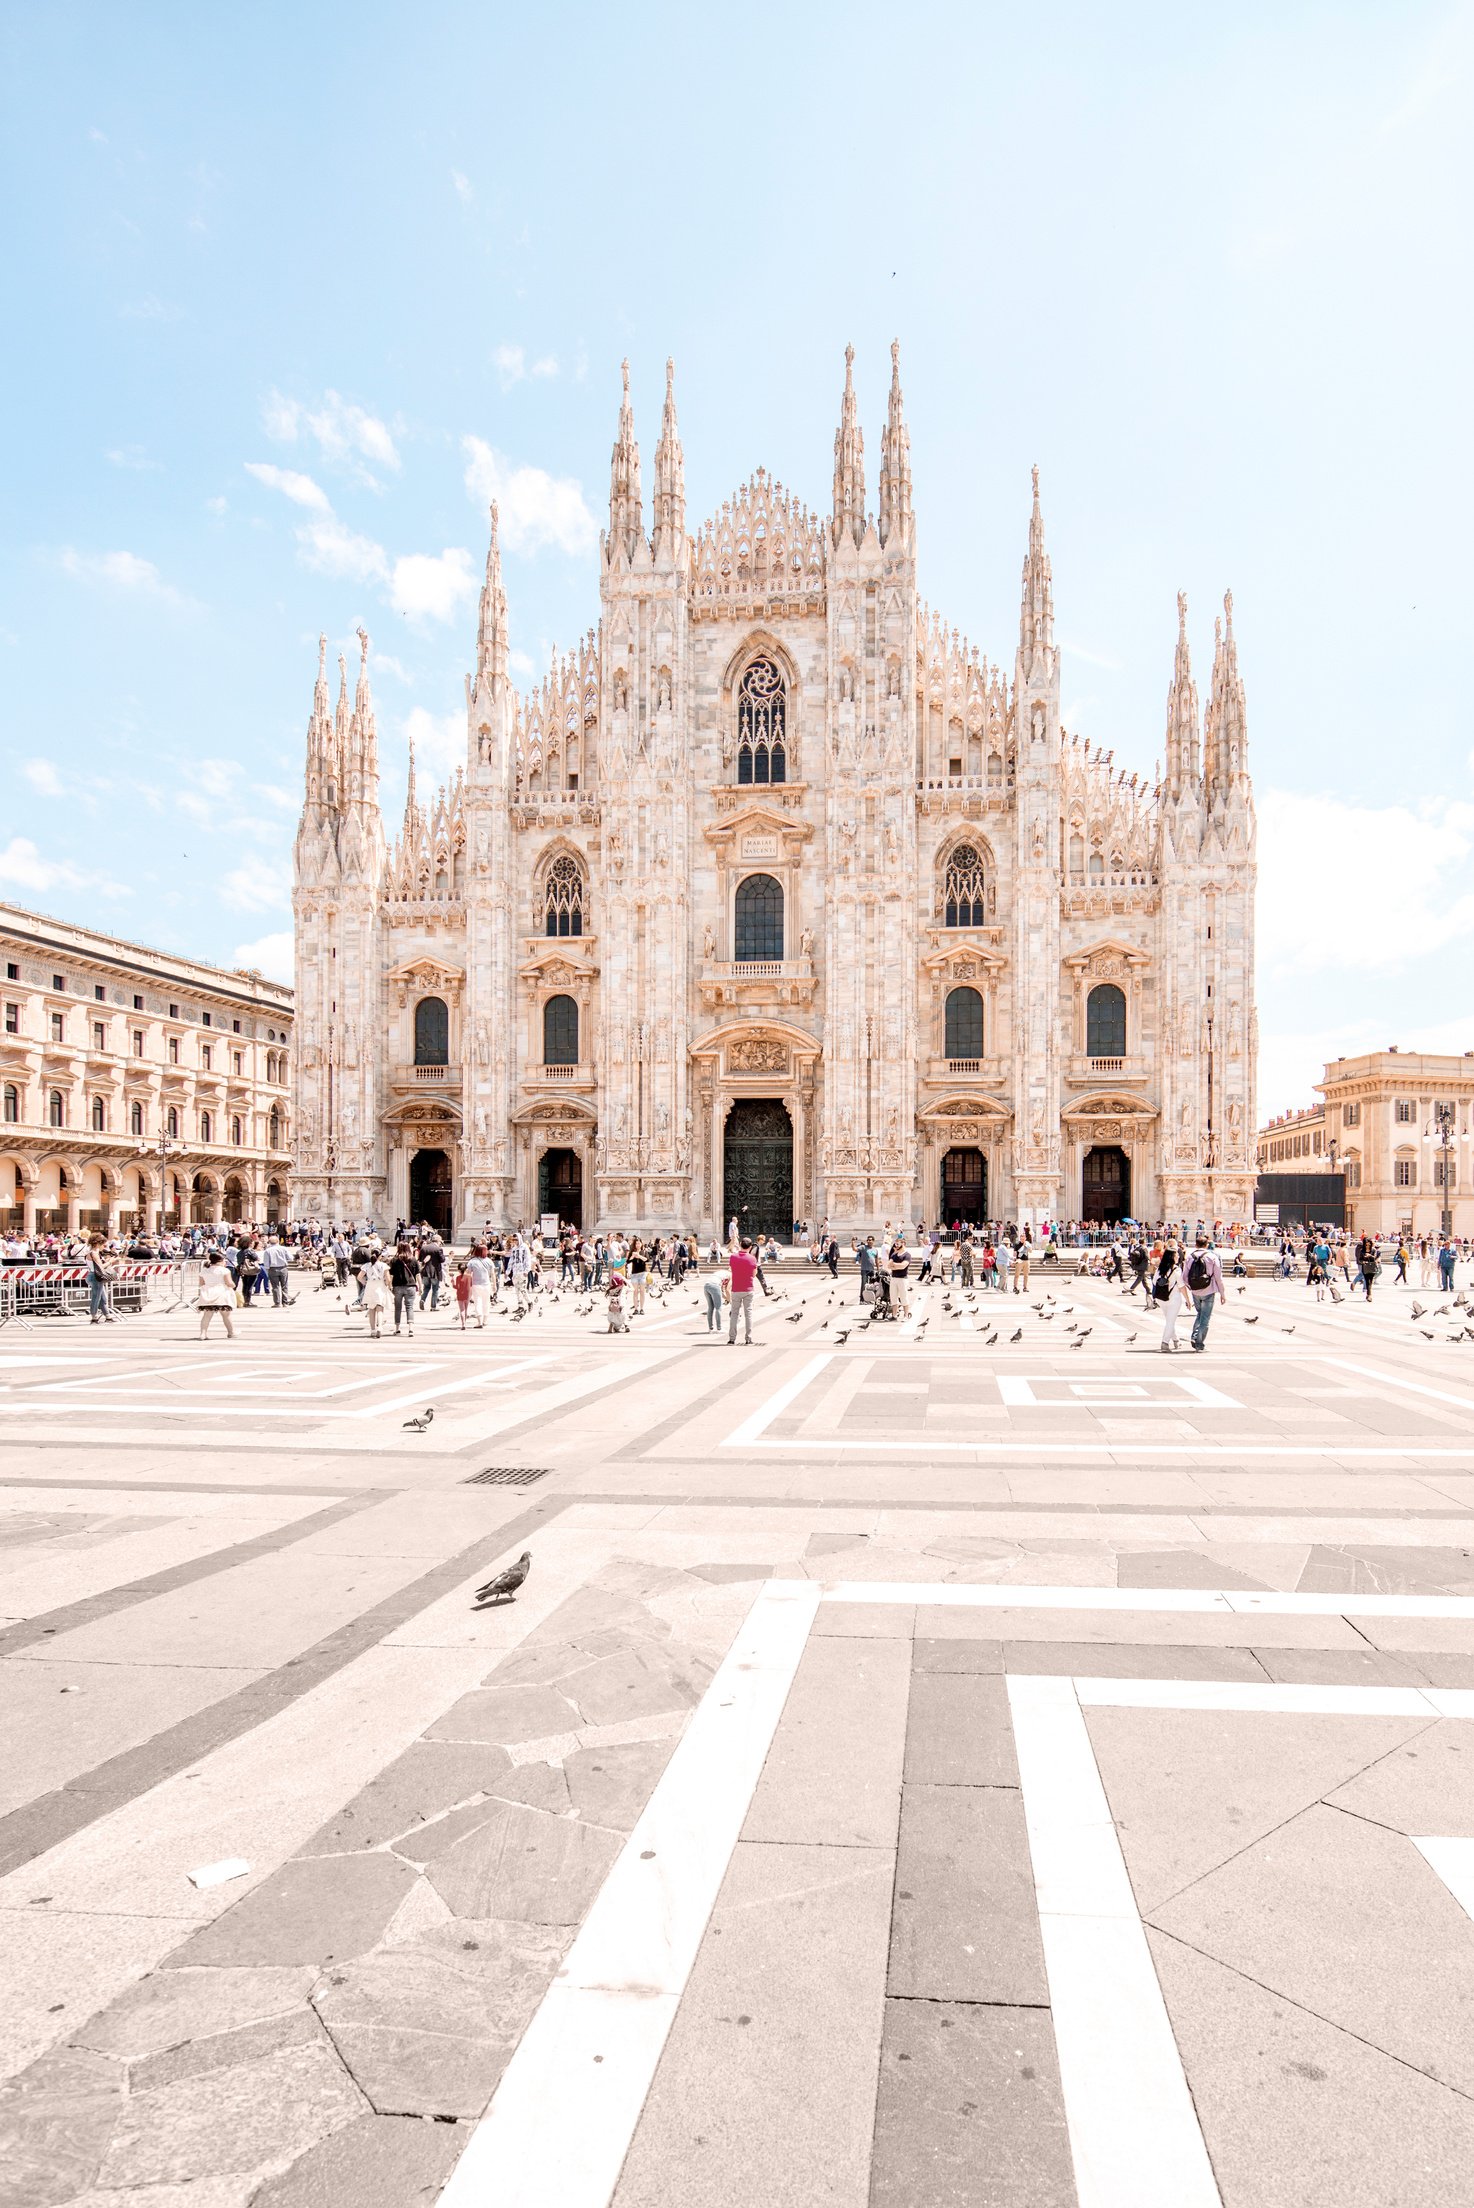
[(778, 899), (137, 1088), (1380, 1126)]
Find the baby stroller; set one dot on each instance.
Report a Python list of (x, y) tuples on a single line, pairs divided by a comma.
[(881, 1306)]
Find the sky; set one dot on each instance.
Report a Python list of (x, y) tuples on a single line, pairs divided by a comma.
[(292, 291)]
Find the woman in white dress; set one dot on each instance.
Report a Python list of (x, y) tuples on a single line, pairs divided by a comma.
[(375, 1291)]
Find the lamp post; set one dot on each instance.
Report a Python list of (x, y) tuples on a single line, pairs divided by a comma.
[(164, 1149), (1441, 1129)]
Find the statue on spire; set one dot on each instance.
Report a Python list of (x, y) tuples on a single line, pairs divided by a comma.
[(670, 474), (626, 513), (895, 463), (849, 462)]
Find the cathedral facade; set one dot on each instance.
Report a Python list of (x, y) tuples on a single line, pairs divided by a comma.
[(777, 900)]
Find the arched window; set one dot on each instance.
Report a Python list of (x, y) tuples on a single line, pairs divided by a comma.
[(171, 1124), (565, 897), (964, 1013), (1097, 867), (135, 1119), (762, 754), (99, 1116), (432, 1032), (1077, 857), (965, 890), (206, 1125), (235, 1129), (1105, 1022), (273, 1130), (12, 1104), (56, 1108), (759, 931), (560, 1032)]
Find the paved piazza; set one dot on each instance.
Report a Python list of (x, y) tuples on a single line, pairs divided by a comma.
[(919, 1771)]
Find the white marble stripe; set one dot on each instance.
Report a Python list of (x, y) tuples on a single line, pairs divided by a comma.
[(1244, 1698), (561, 2120), (1126, 1449), (1395, 1380), (752, 1428), (1453, 1860), (1134, 2134), (1225, 1601)]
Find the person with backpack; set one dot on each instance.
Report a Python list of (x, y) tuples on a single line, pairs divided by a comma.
[(1169, 1289), (1204, 1278)]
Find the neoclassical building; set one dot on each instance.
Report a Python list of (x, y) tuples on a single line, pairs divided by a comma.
[(777, 898)]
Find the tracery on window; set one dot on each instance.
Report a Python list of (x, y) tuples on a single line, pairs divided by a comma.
[(964, 890), (564, 902), (762, 754)]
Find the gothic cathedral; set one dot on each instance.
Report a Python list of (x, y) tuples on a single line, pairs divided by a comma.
[(776, 900)]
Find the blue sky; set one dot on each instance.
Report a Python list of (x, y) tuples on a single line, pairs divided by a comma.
[(291, 288)]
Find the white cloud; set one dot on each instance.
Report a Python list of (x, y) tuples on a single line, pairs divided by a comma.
[(1309, 920), (439, 740), (270, 955), (341, 430), (151, 308), (123, 569), (216, 777), (510, 363), (262, 885), (43, 777), (300, 489), (130, 456), (535, 508), (333, 548), (215, 505), (429, 587), (386, 664), (22, 865), (462, 187)]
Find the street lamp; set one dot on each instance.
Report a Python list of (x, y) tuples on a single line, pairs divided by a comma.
[(164, 1149), (1441, 1129)]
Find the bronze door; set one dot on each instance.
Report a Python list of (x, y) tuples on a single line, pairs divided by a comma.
[(1105, 1186), (964, 1187), (560, 1186), (430, 1185), (757, 1179)]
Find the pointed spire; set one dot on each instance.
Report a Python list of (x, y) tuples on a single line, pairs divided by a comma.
[(491, 627), (411, 801), (321, 772), (1036, 618), (1183, 768), (362, 756), (1225, 734), (670, 473), (849, 462), (895, 463), (626, 515)]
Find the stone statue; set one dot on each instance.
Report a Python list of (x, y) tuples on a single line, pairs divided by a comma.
[(708, 944), (806, 943)]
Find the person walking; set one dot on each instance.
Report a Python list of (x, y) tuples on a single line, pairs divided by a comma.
[(865, 1259), (432, 1272), (900, 1272), (278, 1259), (1021, 1268), (1446, 1259), (478, 1266), (711, 1289), (376, 1297), (101, 1273), (1366, 1260), (404, 1276), (463, 1292), (1204, 1282), (1169, 1289), (741, 1273), (217, 1293)]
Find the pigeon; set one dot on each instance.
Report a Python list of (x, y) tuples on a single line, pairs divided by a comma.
[(418, 1425), (1080, 1344), (793, 1318), (1443, 1311), (1287, 1330), (504, 1586), (1253, 1320), (1419, 1309), (1427, 1333), (1084, 1331), (1241, 1288), (1017, 1336), (1129, 1340), (922, 1328), (991, 1339), (843, 1335)]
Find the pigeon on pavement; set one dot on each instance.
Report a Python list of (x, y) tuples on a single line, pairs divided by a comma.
[(504, 1586), (418, 1425)]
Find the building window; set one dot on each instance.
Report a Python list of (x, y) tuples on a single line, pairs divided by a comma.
[(432, 1033), (58, 1027), (235, 1129), (138, 1042), (240, 1061), (1405, 1173), (12, 1019), (964, 890), (99, 1035), (759, 932), (206, 1059), (12, 971), (135, 1119), (58, 983), (1105, 1021), (206, 1019), (964, 1024), (171, 1123), (173, 1050), (273, 1130), (12, 1104), (99, 992), (560, 1032), (173, 1011), (1406, 1111), (235, 1027), (1445, 1172), (1351, 1115), (1097, 867), (762, 754), (138, 1004), (205, 1129), (99, 1116), (564, 910), (1352, 1170), (56, 1108)]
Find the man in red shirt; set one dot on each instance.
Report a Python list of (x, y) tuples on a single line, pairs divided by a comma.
[(741, 1272)]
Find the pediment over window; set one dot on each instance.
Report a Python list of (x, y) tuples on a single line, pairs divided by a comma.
[(779, 834), (964, 961), (1109, 1107), (419, 977), (1106, 961)]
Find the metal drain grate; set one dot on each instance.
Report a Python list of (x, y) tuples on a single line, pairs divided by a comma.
[(508, 1475)]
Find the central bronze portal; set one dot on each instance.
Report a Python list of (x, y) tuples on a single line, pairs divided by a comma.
[(757, 1160)]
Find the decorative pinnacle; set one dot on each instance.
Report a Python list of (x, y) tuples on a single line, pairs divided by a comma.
[(1182, 613), (624, 369), (322, 656), (363, 642), (1228, 611)]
